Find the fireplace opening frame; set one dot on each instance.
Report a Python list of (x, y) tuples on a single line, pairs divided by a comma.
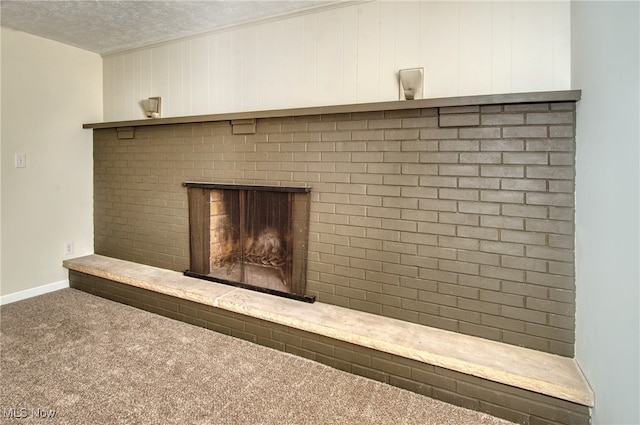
[(250, 236)]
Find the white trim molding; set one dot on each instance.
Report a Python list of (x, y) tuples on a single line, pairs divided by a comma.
[(33, 292)]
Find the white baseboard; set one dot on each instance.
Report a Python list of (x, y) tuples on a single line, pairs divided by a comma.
[(33, 292)]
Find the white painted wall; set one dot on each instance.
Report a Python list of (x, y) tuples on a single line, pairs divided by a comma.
[(349, 54), (605, 62), (48, 91)]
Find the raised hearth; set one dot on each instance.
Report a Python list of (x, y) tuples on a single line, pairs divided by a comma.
[(515, 383)]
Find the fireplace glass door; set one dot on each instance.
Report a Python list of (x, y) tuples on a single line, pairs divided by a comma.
[(250, 236)]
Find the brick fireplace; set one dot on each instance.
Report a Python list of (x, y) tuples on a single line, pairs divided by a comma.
[(456, 214)]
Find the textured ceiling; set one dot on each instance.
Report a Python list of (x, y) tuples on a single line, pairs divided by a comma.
[(106, 26)]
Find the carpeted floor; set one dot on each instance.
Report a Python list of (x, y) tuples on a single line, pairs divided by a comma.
[(93, 361)]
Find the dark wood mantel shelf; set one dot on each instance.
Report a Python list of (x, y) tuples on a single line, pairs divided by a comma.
[(492, 99)]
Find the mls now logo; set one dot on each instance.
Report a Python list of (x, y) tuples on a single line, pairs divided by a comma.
[(23, 412)]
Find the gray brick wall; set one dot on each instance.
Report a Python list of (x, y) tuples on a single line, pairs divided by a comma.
[(458, 218)]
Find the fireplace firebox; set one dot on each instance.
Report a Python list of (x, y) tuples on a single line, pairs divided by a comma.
[(254, 237)]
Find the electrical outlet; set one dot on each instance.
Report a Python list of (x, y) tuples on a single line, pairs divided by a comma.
[(68, 248)]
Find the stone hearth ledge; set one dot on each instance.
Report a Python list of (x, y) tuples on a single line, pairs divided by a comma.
[(544, 373)]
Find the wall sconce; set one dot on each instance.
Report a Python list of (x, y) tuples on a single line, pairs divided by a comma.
[(411, 82), (151, 107)]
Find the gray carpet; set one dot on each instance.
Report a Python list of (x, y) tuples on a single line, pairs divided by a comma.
[(94, 361)]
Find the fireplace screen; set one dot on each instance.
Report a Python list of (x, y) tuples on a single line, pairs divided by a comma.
[(250, 236)]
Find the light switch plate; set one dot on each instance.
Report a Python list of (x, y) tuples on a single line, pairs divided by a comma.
[(21, 160)]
